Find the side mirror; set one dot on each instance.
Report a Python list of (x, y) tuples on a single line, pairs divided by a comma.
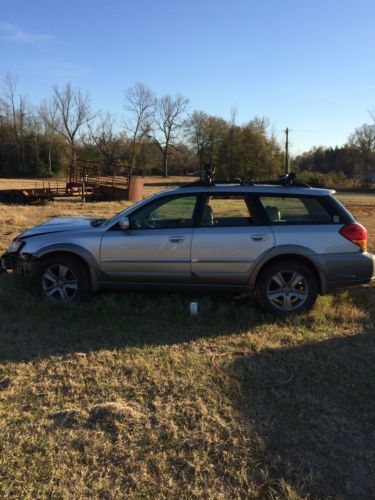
[(124, 223)]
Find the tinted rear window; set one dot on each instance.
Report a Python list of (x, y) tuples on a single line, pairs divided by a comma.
[(297, 210)]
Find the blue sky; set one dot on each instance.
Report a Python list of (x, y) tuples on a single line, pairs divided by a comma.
[(305, 64)]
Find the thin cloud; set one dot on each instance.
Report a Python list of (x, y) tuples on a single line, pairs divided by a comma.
[(57, 70), (12, 33)]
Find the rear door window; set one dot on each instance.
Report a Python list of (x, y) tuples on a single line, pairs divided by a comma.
[(226, 210), (295, 210)]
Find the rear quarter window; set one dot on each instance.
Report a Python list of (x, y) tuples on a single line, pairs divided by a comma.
[(298, 210)]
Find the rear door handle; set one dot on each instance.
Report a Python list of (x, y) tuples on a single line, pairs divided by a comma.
[(258, 237), (176, 239)]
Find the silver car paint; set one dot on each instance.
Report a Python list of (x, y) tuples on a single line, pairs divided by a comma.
[(319, 238), (226, 256), (147, 255), (59, 224)]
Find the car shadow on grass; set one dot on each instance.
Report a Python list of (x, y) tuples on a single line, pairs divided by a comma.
[(31, 327), (316, 433)]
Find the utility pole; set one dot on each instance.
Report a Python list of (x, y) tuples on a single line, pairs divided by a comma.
[(287, 150)]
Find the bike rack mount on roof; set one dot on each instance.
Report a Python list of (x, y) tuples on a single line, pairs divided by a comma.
[(207, 179)]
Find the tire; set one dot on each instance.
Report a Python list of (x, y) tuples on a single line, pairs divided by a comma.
[(63, 279), (4, 197), (286, 287), (17, 198), (102, 196)]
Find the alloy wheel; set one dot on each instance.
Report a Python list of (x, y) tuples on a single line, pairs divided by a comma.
[(59, 283), (287, 290)]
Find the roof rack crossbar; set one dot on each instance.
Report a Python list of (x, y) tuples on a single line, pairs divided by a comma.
[(287, 180)]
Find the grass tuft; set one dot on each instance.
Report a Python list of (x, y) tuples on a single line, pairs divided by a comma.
[(117, 412)]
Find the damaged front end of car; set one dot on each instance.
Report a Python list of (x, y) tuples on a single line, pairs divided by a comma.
[(19, 263)]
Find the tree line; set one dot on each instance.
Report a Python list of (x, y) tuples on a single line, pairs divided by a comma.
[(155, 134), (354, 160), (158, 135)]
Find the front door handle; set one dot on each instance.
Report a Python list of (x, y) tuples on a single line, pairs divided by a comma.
[(258, 237), (176, 239)]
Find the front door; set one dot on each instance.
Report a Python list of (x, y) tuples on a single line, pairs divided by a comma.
[(157, 245)]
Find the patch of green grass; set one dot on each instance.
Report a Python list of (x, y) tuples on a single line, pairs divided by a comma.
[(119, 397)]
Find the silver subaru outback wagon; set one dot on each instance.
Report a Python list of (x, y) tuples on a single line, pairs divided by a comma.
[(285, 242)]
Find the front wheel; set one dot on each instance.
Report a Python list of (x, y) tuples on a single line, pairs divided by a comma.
[(63, 279), (286, 287)]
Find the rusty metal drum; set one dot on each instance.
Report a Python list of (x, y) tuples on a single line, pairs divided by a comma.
[(135, 189)]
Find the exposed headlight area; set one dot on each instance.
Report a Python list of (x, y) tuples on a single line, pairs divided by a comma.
[(16, 245)]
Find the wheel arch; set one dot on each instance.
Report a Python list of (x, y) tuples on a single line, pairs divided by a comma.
[(302, 258), (83, 255)]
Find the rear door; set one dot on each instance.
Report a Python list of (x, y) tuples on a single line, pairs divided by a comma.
[(227, 242)]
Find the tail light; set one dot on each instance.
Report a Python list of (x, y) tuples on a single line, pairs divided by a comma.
[(355, 233)]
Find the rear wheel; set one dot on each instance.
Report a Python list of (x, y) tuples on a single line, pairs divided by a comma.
[(286, 287), (63, 279)]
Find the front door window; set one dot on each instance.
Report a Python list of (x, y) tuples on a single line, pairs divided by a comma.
[(165, 213)]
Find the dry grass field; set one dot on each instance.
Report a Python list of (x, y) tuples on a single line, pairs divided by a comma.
[(363, 208), (127, 396)]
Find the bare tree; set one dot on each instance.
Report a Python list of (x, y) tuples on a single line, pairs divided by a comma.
[(196, 127), (67, 112), (363, 141), (234, 134), (33, 126), (168, 121), (103, 137), (16, 114), (209, 137), (140, 106), (8, 100), (50, 120)]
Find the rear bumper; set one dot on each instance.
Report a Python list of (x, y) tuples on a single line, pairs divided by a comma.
[(341, 270)]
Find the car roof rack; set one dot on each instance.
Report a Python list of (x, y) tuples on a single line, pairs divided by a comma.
[(207, 179), (287, 180)]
